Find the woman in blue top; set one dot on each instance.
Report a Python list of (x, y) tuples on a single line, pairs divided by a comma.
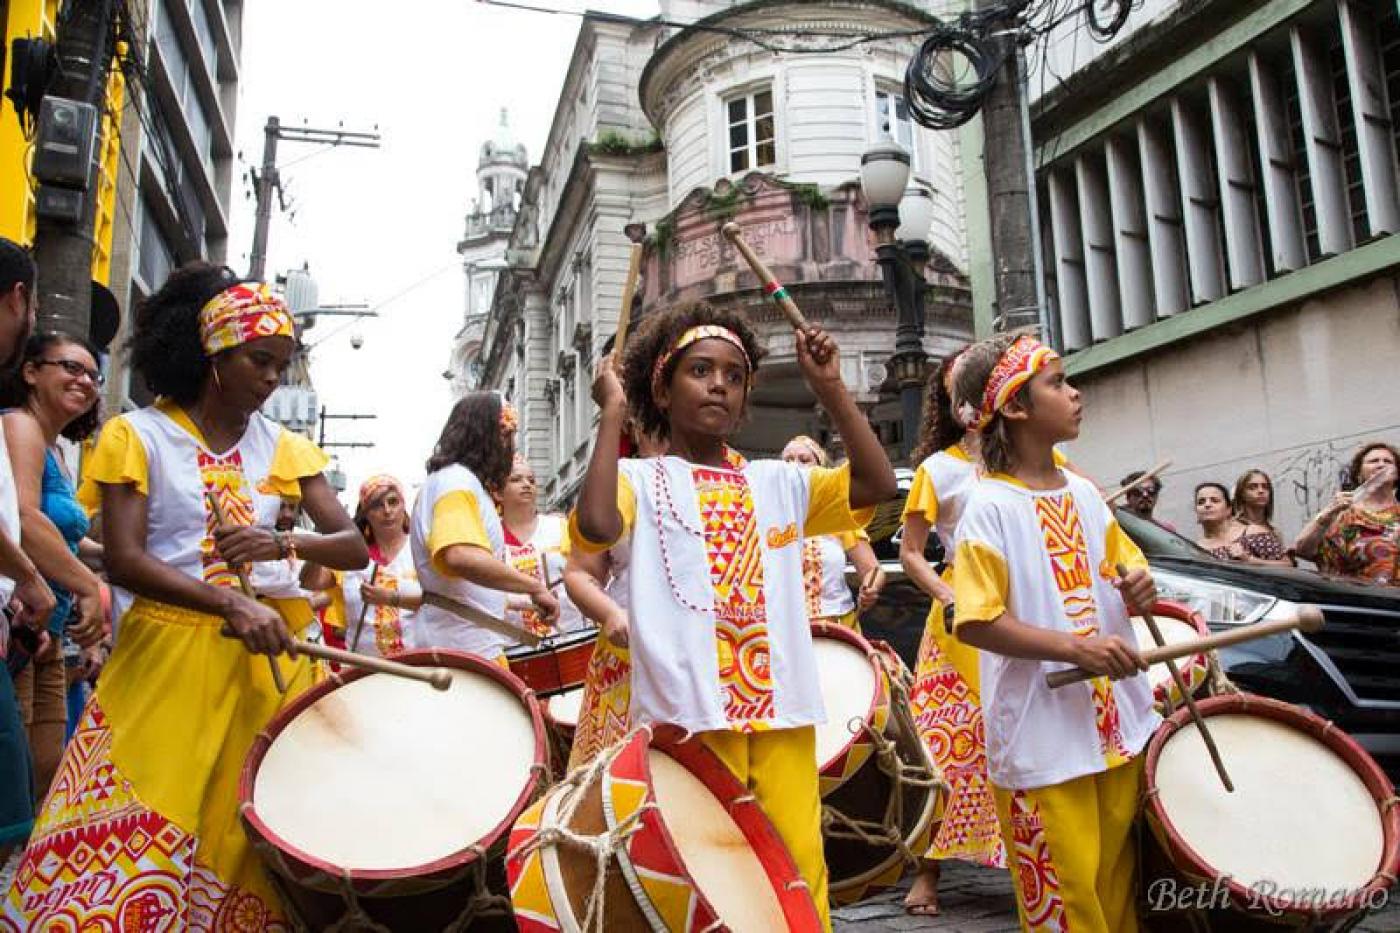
[(54, 393)]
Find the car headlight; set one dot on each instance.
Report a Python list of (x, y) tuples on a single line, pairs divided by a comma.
[(1219, 603)]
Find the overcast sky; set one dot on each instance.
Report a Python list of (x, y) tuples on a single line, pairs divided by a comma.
[(381, 226)]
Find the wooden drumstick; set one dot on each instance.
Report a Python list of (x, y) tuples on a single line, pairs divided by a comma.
[(478, 617), (771, 286), (869, 580), (364, 608), (1124, 490), (629, 290), (247, 586), (1308, 619), (1186, 696), (435, 676)]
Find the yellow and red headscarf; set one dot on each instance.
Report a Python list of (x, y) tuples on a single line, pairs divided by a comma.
[(695, 335), (372, 487), (1017, 366), (241, 313)]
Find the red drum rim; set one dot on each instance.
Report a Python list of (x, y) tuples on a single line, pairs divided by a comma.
[(799, 908), (1330, 736), (1182, 613), (549, 644), (833, 768), (448, 864)]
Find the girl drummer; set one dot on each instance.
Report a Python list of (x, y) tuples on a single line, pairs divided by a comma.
[(1035, 580), (457, 540), (146, 797), (945, 699), (824, 558), (536, 545), (716, 554), (385, 592)]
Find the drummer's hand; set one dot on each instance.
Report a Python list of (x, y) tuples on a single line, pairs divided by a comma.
[(546, 605), (1107, 655), (607, 384), (615, 628), (1339, 504), (869, 595), (1138, 589), (258, 626), (818, 358), (377, 595), (243, 544)]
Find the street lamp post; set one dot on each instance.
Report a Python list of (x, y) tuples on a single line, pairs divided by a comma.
[(901, 218)]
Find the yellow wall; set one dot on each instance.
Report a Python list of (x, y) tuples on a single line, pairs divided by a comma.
[(35, 19)]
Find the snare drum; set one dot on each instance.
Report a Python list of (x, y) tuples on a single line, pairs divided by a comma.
[(857, 786), (372, 796), (1177, 624), (692, 850), (1307, 839), (556, 664)]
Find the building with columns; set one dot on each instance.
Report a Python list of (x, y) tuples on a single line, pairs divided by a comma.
[(669, 132), (500, 175)]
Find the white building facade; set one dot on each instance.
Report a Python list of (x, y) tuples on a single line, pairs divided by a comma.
[(666, 133)]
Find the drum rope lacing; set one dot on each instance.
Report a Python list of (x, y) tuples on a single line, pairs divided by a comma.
[(890, 830), (602, 847)]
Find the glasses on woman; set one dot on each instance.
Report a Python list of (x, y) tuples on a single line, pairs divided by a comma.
[(77, 370)]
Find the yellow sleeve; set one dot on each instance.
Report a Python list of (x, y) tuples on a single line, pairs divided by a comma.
[(119, 458), (1060, 459), (829, 509), (456, 520), (626, 506), (980, 583), (850, 539), (923, 499), (1120, 549), (295, 459), (334, 616)]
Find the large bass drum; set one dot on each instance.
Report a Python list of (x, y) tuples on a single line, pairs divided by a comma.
[(379, 800), (1310, 838)]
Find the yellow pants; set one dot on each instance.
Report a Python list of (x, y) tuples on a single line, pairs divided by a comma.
[(1071, 851), (779, 767)]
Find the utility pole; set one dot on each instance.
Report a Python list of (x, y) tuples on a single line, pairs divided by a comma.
[(267, 180), (321, 434), (63, 248), (1017, 257)]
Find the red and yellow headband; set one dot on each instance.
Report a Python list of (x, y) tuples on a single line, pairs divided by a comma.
[(694, 335), (242, 313), (376, 484), (1017, 366)]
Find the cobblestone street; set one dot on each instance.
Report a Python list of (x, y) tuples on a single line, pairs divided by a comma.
[(978, 900)]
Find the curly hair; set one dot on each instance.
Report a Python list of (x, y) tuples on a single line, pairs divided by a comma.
[(969, 384), (16, 393), (939, 429), (655, 336), (472, 437), (1353, 475), (164, 345)]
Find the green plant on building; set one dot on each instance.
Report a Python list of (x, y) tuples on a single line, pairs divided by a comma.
[(613, 143)]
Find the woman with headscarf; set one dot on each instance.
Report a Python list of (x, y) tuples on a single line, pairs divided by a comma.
[(376, 603), (141, 825)]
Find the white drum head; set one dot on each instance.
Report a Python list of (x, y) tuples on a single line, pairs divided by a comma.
[(714, 850), (848, 688), (1174, 632), (386, 773), (1300, 817), (564, 707)]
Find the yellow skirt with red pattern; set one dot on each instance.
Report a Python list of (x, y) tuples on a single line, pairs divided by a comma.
[(603, 718), (948, 714), (140, 830)]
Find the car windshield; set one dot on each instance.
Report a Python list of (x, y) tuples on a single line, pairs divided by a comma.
[(1157, 541)]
